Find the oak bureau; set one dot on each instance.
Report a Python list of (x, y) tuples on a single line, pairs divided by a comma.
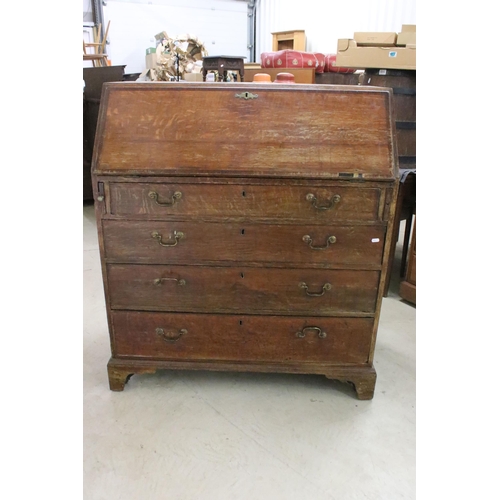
[(244, 226)]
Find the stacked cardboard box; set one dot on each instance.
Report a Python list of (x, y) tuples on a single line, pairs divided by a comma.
[(379, 50), (150, 58)]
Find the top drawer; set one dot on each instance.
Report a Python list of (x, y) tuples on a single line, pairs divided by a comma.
[(330, 203)]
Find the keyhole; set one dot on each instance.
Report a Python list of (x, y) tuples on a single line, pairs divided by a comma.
[(242, 231), (241, 322), (243, 193), (242, 275)]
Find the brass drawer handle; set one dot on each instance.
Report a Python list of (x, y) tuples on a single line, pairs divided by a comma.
[(176, 196), (312, 198), (170, 336), (159, 281), (302, 333), (177, 236), (326, 287), (308, 239)]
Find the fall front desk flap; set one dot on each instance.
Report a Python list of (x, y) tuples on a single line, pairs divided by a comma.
[(270, 130)]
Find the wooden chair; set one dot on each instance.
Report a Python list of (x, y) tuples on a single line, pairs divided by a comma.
[(98, 55)]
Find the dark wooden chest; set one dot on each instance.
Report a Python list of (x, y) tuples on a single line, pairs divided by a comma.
[(244, 227)]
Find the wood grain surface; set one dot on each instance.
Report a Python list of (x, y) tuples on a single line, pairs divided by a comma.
[(134, 241), (242, 289), (245, 227), (301, 130), (246, 338)]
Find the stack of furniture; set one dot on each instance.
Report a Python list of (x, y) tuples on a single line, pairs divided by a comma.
[(256, 239), (319, 68)]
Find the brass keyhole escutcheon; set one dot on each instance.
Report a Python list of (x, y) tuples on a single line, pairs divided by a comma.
[(246, 96)]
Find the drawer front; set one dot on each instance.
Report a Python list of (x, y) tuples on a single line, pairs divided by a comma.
[(187, 242), (245, 289), (297, 202), (241, 338)]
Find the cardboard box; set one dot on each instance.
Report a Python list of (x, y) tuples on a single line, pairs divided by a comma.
[(151, 60), (375, 39), (408, 35), (192, 77), (349, 55), (161, 36), (148, 75)]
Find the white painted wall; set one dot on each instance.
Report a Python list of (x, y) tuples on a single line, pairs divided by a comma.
[(221, 25), (87, 11), (325, 21)]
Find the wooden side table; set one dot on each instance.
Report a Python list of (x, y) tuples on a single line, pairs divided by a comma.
[(223, 64)]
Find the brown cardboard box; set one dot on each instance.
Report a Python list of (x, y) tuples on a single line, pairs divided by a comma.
[(192, 77), (349, 55), (375, 38), (408, 35), (151, 60)]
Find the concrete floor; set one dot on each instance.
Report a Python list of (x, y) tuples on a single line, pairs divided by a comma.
[(184, 435)]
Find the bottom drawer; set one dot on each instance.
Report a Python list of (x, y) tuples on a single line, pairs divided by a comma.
[(241, 338)]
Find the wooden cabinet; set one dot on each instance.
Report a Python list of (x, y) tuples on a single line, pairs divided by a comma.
[(403, 84), (289, 40), (408, 287), (244, 227), (94, 78)]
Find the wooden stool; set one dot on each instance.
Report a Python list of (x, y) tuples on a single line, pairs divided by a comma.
[(223, 64)]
